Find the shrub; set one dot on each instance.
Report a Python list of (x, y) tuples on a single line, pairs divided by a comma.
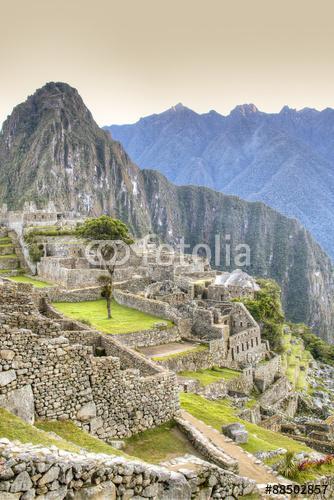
[(266, 309), (315, 464), (36, 252), (319, 349), (288, 467)]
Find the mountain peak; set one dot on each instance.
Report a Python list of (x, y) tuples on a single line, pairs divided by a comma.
[(287, 110), (245, 109), (52, 101), (178, 107)]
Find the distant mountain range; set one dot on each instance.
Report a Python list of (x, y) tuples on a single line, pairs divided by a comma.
[(285, 160), (51, 149)]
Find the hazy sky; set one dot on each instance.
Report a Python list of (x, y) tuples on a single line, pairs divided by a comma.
[(130, 58)]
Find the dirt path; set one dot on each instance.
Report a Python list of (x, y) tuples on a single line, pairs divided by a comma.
[(247, 466)]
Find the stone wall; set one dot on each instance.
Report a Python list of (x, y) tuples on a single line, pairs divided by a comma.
[(276, 392), (195, 360), (149, 306), (118, 394), (147, 338), (241, 384), (58, 294), (206, 448), (71, 272), (30, 471), (265, 373)]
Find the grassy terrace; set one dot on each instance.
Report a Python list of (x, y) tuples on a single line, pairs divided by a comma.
[(124, 319), (199, 348), (5, 241), (206, 377), (159, 444), (27, 279), (218, 413), (71, 437), (295, 361), (70, 433)]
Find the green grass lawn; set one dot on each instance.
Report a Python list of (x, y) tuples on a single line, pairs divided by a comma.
[(5, 241), (71, 437), (199, 348), (159, 444), (9, 256), (206, 377), (72, 434), (12, 428), (218, 413), (295, 362), (27, 279), (124, 319)]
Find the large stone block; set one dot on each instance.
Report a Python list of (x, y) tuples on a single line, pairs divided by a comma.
[(236, 431), (7, 377), (87, 412), (105, 491), (21, 403)]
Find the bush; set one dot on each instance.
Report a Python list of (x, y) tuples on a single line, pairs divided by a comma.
[(319, 349), (266, 309), (316, 464), (36, 252), (288, 467)]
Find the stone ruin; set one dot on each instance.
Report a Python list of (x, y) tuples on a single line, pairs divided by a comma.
[(59, 375)]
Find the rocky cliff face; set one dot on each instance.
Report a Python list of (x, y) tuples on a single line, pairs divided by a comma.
[(284, 159), (52, 150)]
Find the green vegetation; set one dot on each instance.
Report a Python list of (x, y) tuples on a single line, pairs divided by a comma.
[(199, 348), (319, 349), (295, 361), (251, 403), (36, 252), (71, 438), (266, 309), (12, 427), (70, 433), (116, 235), (9, 256), (218, 413), (301, 472), (124, 319), (33, 236), (28, 279), (159, 444), (5, 241), (206, 377), (104, 228)]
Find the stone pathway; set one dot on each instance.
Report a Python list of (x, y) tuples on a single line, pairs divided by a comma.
[(249, 466), (167, 349)]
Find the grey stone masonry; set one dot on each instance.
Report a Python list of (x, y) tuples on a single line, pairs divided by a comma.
[(29, 472), (116, 395)]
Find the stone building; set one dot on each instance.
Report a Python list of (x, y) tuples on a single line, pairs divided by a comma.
[(227, 286)]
